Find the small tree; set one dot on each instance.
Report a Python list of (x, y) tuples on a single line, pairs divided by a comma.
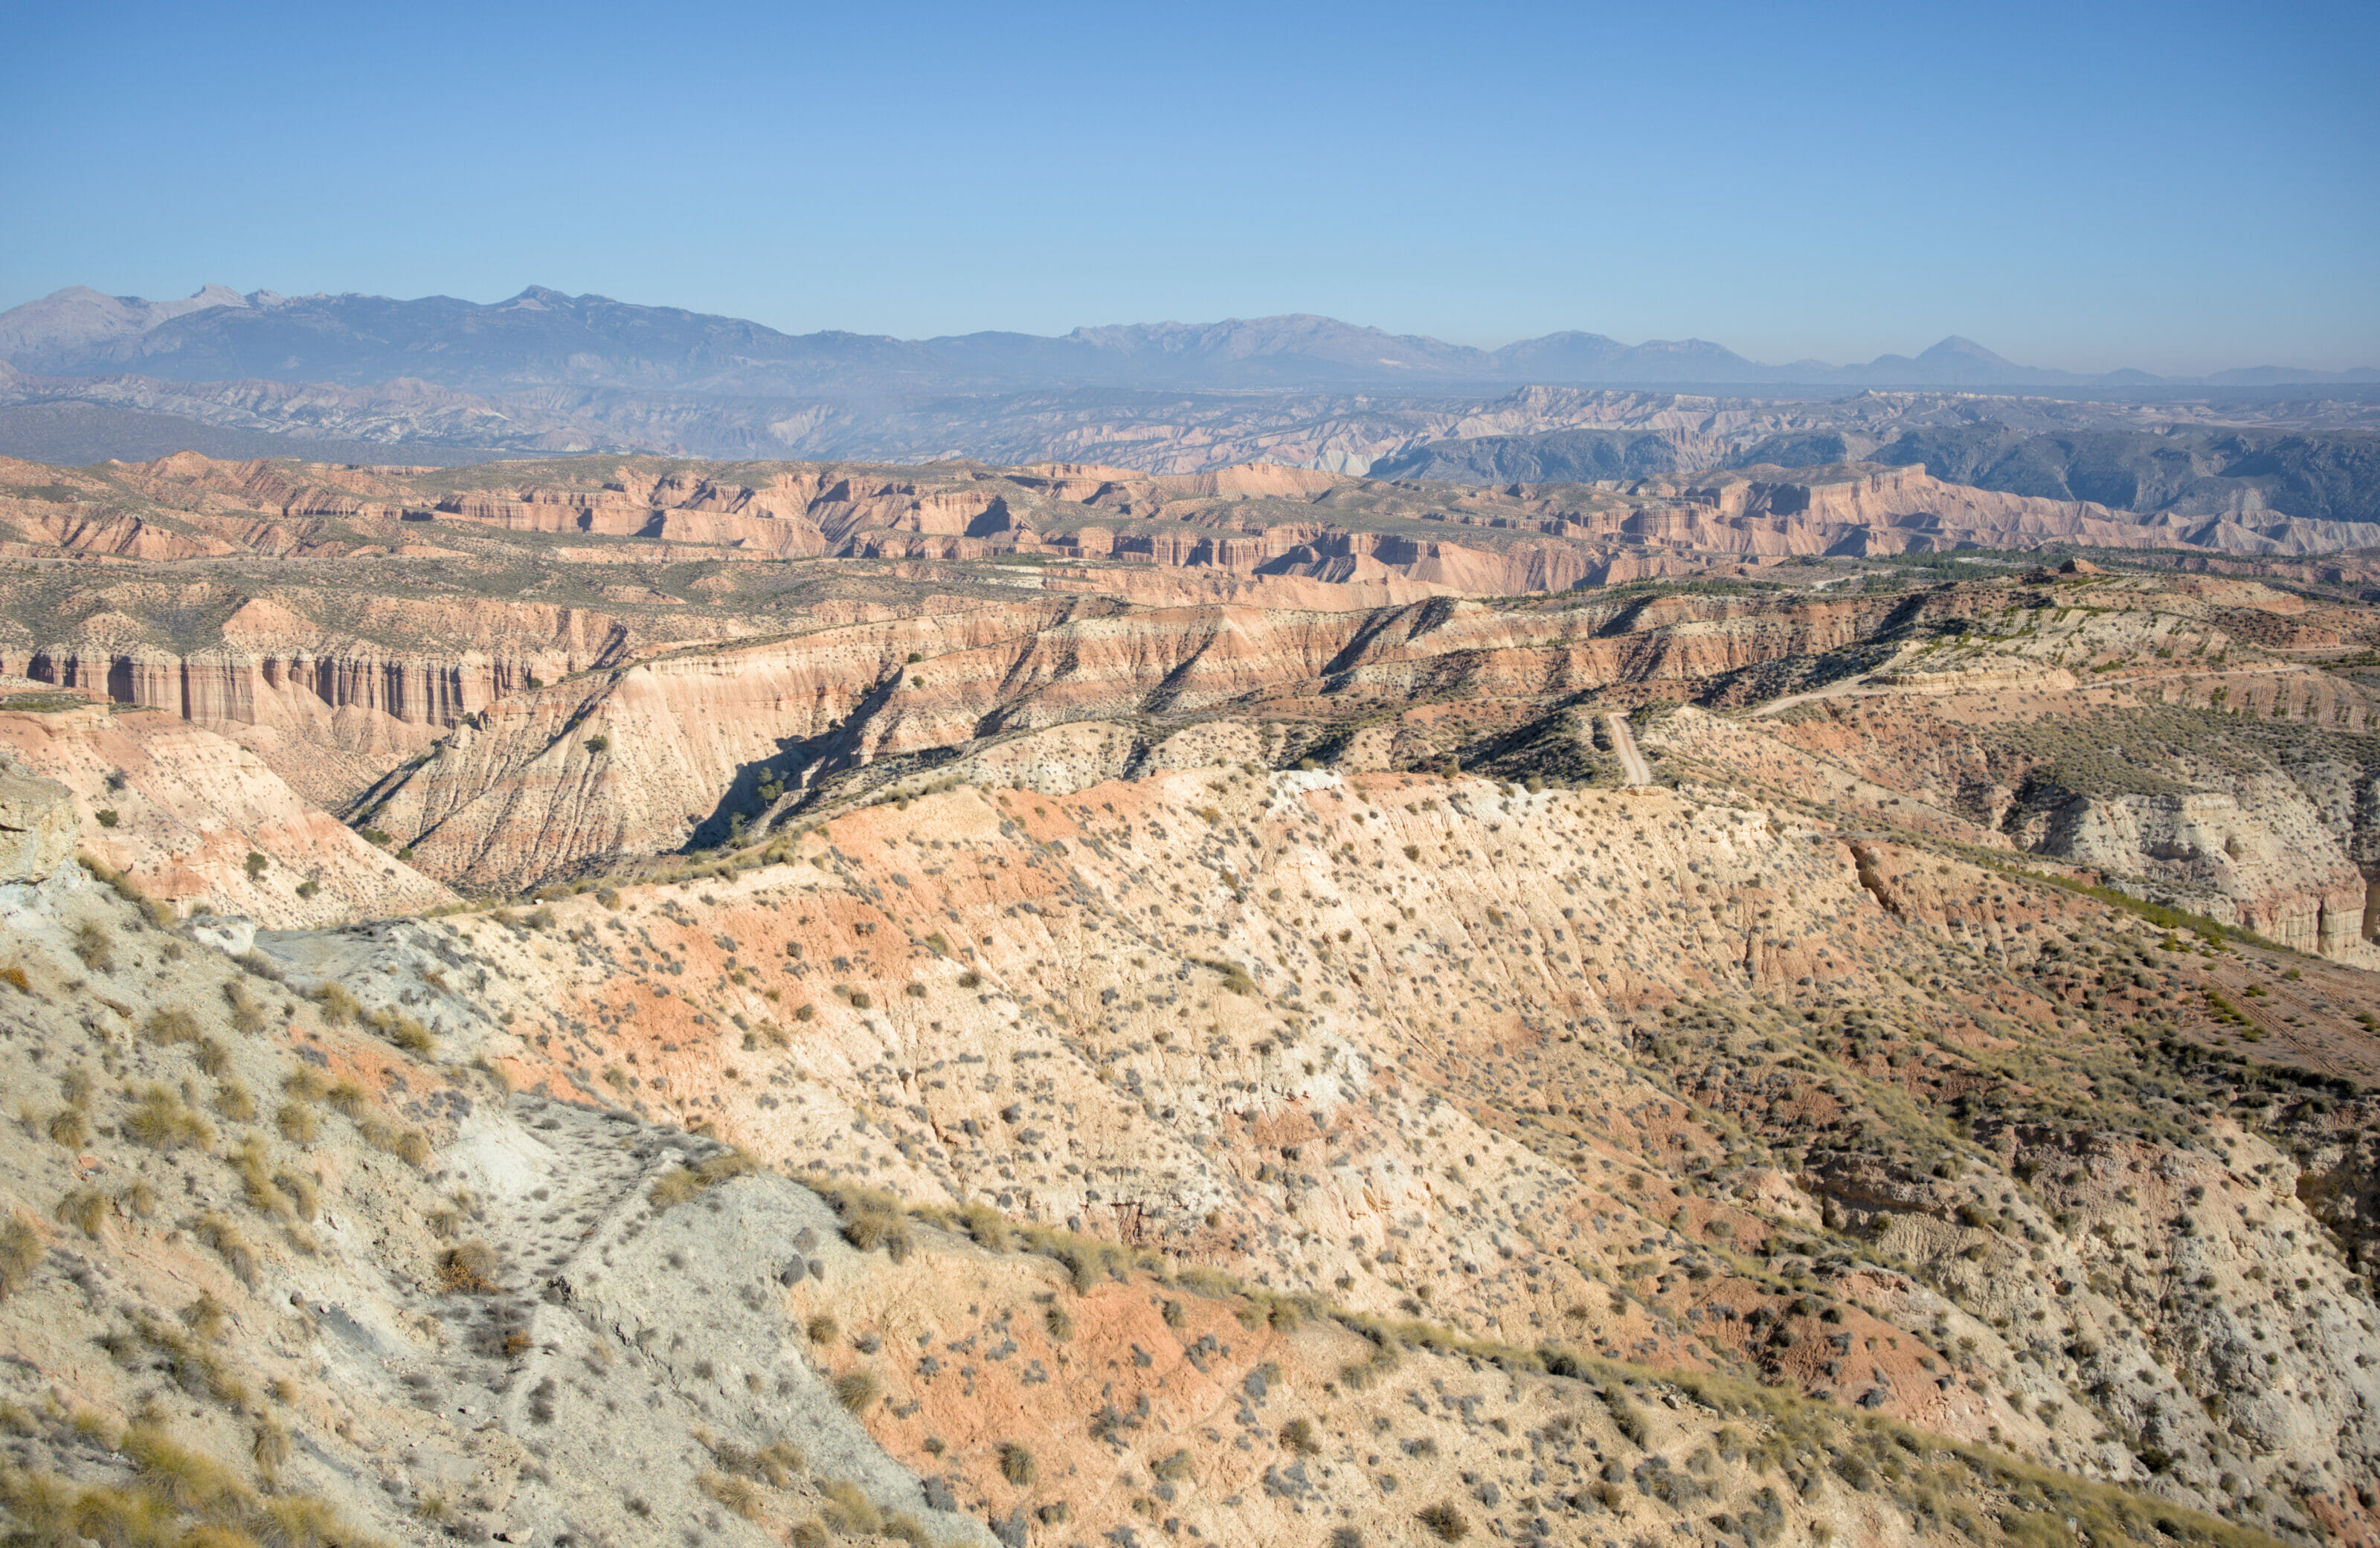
[(256, 866)]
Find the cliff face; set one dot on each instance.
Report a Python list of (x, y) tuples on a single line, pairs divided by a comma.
[(37, 825), (327, 705), (636, 760), (2262, 857), (688, 743), (693, 745)]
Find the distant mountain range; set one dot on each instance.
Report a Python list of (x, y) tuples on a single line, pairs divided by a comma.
[(544, 338)]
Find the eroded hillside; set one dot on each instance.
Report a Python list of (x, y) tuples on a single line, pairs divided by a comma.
[(1254, 1152), (889, 1039)]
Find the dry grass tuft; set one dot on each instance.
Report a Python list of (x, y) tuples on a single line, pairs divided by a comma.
[(403, 1030), (684, 1183), (247, 1012), (736, 1493), (161, 1120), (166, 1027), (297, 1122), (21, 1250), (849, 1511), (190, 1480), (468, 1268), (870, 1216), (86, 1209), (224, 1240), (96, 945)]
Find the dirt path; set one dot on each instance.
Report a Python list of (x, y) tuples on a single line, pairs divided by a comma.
[(1634, 769)]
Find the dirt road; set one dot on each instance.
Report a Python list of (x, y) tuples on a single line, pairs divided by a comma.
[(1634, 769)]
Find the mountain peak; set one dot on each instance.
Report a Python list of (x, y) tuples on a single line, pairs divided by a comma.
[(1958, 347)]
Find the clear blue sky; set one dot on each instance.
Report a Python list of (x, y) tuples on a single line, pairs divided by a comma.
[(2177, 187)]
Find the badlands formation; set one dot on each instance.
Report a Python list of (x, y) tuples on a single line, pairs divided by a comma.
[(581, 1004)]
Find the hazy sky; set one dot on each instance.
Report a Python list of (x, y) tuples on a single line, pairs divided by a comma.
[(2177, 187)]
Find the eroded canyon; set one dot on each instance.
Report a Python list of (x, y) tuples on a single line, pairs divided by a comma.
[(653, 1002)]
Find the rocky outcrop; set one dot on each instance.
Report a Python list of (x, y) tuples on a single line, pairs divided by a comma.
[(2260, 856)]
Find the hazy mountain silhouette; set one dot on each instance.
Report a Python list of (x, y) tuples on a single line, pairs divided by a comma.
[(544, 337)]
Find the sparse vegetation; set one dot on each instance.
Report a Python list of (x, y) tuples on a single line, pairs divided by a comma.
[(20, 1253), (468, 1268)]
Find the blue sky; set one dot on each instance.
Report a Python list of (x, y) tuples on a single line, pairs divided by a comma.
[(2177, 188)]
